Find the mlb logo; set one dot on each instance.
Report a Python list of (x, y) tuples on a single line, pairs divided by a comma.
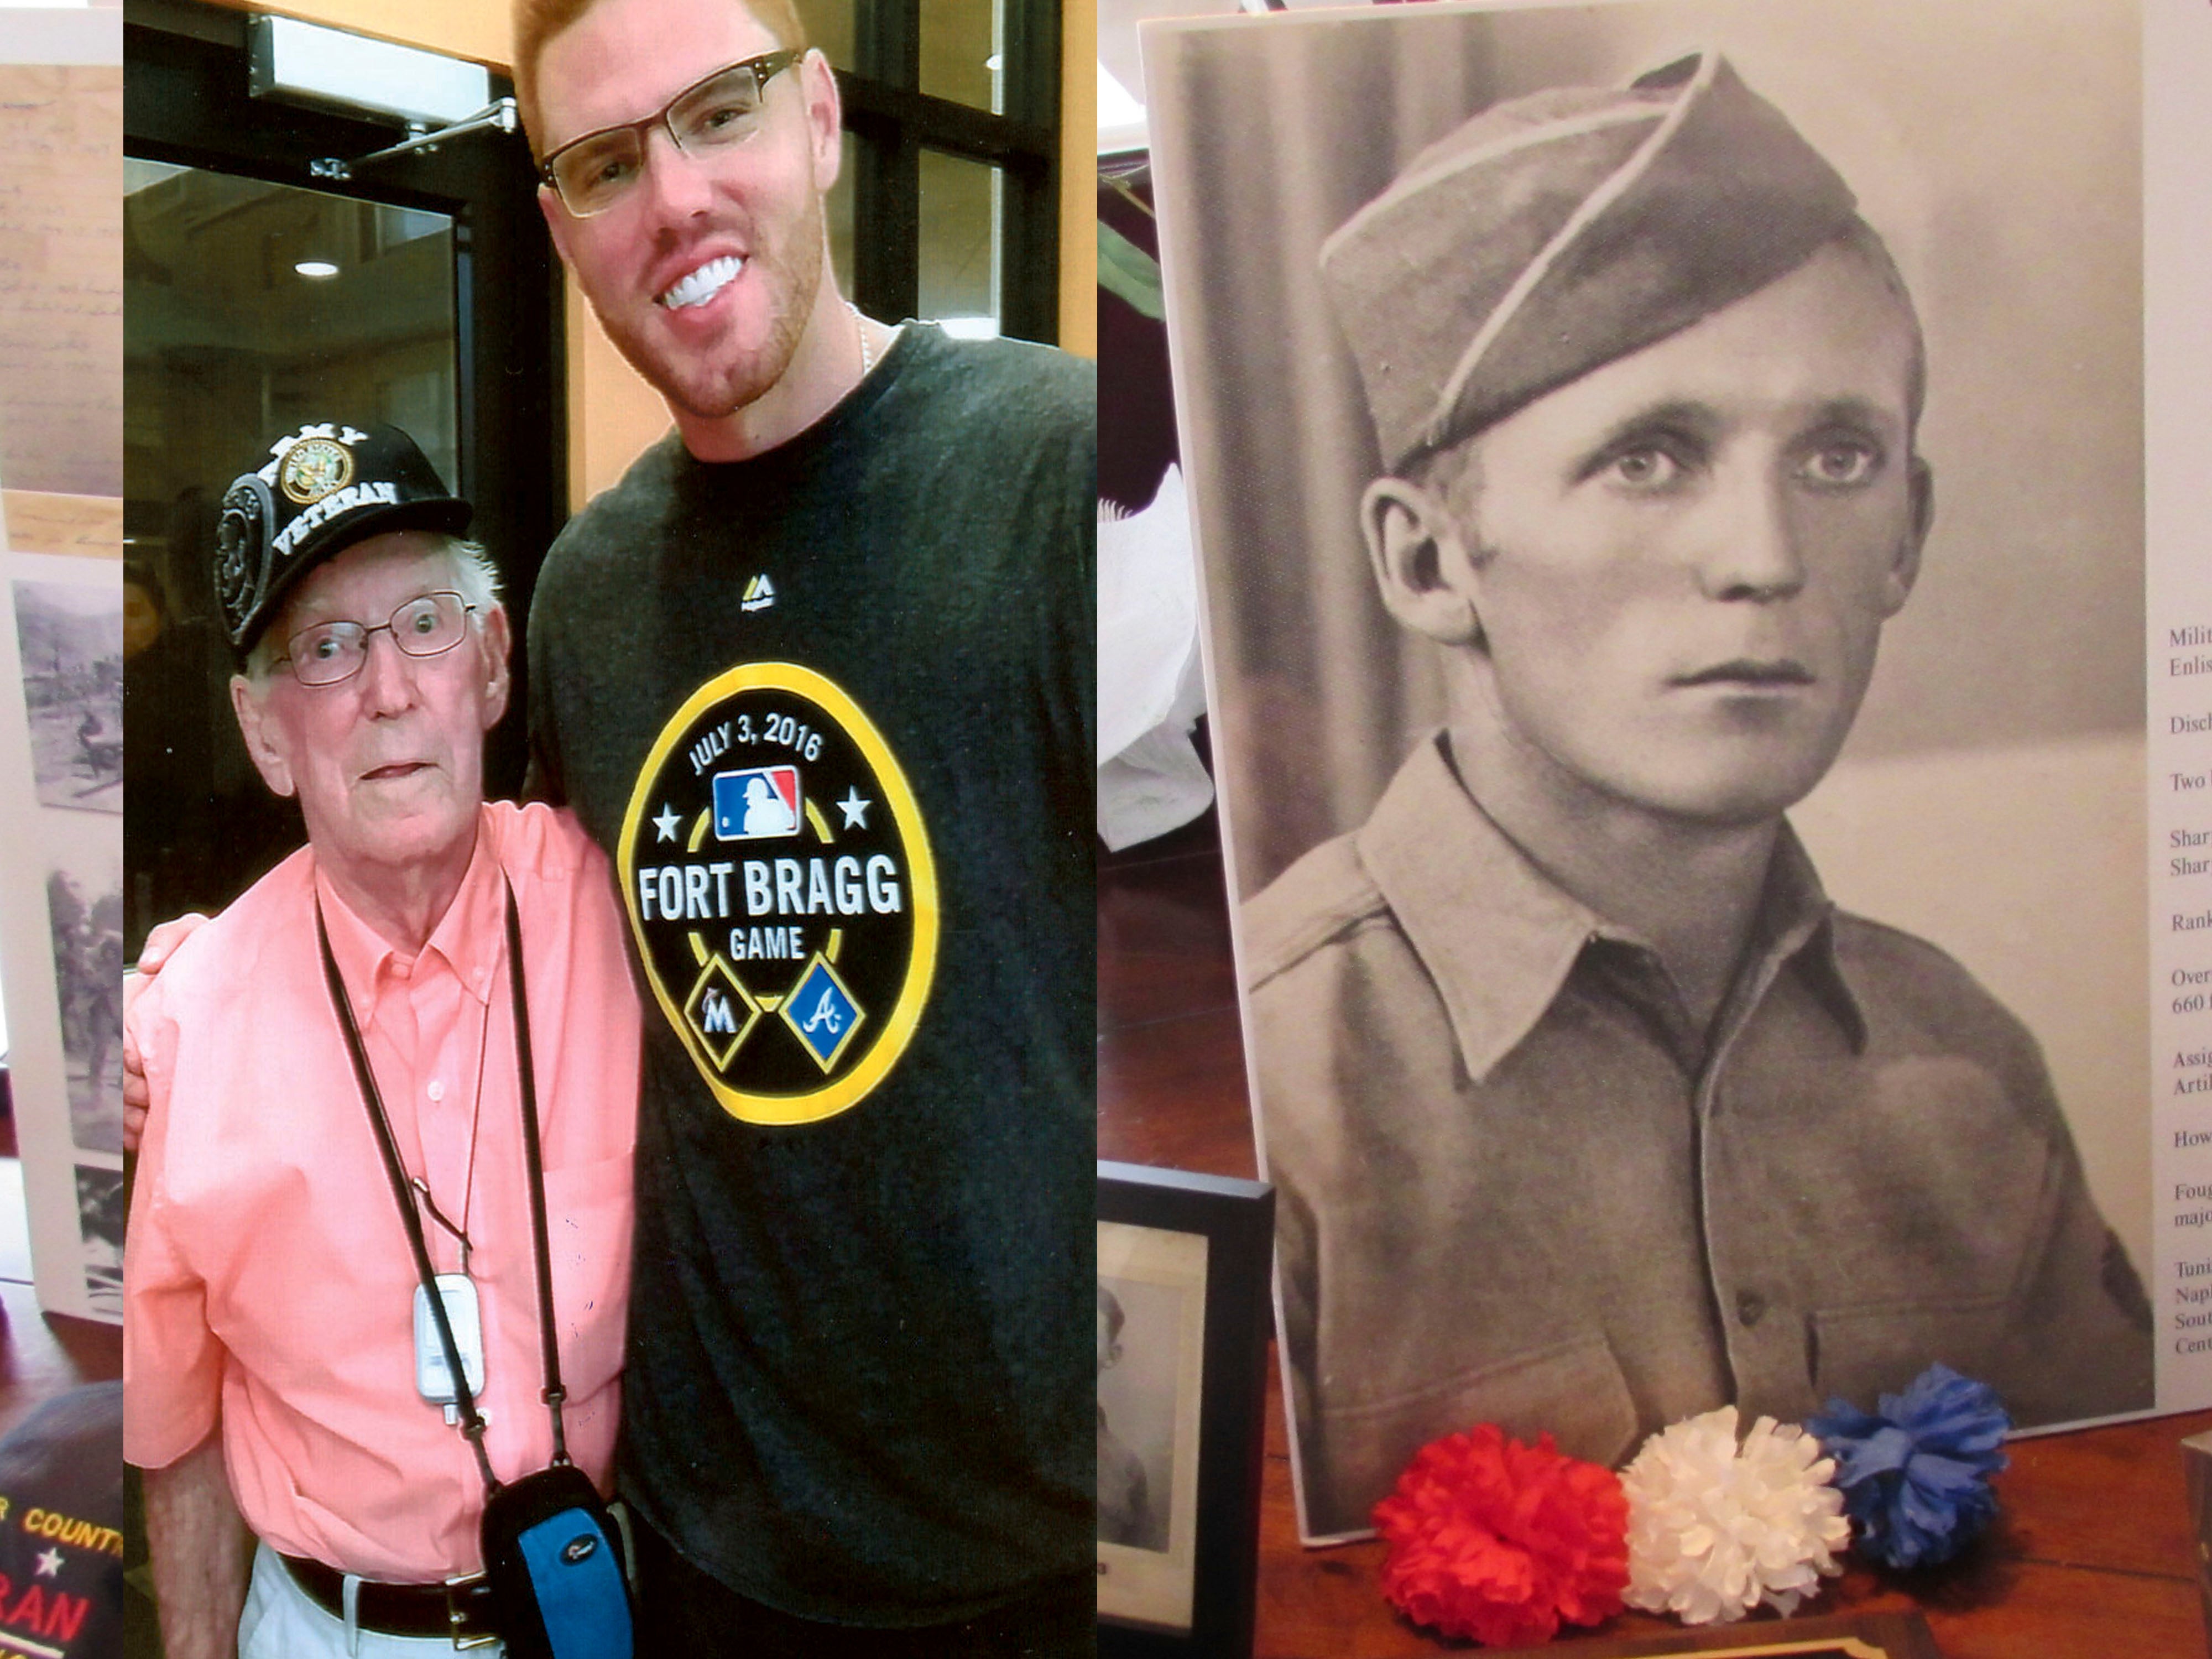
[(758, 804)]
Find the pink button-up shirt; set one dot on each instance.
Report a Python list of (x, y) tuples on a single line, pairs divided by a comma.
[(268, 1284)]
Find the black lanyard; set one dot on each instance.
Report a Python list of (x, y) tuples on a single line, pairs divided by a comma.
[(472, 1423)]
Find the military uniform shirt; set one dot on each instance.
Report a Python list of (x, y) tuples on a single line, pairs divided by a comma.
[(1517, 1185)]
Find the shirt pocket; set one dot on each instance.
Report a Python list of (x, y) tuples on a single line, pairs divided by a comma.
[(588, 1220), (1860, 1353), (1574, 1388)]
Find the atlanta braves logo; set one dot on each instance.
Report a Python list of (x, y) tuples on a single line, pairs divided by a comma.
[(782, 891)]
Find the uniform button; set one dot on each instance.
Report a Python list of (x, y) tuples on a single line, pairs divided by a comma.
[(437, 1090), (1750, 1307)]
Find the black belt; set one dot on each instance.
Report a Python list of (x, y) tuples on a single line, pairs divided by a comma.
[(462, 1611)]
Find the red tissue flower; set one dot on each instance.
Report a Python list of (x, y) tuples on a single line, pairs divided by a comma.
[(1499, 1541)]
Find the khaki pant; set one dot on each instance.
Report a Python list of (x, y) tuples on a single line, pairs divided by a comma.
[(279, 1622)]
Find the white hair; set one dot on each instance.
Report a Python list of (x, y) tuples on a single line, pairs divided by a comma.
[(475, 579)]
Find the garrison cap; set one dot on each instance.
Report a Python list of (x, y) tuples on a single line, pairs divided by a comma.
[(1554, 232), (324, 488)]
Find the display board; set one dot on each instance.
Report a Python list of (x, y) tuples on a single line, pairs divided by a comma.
[(62, 640), (2032, 177)]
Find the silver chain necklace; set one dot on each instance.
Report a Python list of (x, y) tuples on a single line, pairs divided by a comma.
[(861, 331)]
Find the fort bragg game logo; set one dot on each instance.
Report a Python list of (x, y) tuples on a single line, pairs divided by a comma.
[(782, 891)]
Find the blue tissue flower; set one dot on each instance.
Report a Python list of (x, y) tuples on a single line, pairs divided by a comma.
[(1916, 1477)]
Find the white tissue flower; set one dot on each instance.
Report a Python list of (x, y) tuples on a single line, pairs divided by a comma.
[(1715, 1529)]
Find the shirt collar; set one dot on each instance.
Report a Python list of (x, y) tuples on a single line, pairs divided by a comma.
[(1499, 939), (1796, 928), (469, 939)]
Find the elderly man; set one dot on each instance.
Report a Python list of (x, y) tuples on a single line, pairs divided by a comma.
[(1589, 1111), (279, 1365), (817, 674)]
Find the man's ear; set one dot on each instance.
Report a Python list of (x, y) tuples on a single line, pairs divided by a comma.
[(825, 118), (1419, 553), (496, 639), (263, 745), (557, 220), (1920, 507)]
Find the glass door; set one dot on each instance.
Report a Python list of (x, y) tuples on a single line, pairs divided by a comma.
[(260, 295), (250, 308)]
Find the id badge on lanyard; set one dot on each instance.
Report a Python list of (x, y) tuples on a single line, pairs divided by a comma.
[(434, 1378)]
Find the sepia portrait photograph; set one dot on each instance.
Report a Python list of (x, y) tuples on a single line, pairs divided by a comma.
[(1667, 478), (1137, 1325), (1151, 1344), (70, 638)]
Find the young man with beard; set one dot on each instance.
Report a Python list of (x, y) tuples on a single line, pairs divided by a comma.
[(854, 584)]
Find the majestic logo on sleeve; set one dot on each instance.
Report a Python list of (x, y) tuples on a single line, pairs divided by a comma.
[(780, 885)]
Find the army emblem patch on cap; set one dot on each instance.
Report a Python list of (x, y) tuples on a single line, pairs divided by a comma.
[(323, 488), (780, 889), (313, 468)]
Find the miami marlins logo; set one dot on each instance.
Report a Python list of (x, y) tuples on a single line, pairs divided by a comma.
[(782, 891)]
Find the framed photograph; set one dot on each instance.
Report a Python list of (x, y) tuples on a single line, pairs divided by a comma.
[(1593, 889), (1183, 1340)]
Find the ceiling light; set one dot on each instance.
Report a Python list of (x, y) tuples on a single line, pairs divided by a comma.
[(316, 269)]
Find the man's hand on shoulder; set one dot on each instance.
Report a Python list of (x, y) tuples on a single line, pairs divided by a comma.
[(161, 945)]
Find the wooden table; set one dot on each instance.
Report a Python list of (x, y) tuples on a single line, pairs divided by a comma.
[(2092, 1559)]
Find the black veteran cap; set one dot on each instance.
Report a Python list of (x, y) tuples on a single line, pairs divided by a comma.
[(1555, 232), (324, 488)]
